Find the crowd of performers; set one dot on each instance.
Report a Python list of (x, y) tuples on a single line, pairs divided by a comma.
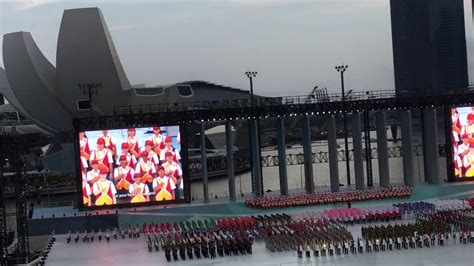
[(108, 234), (308, 234), (405, 235), (463, 142), (134, 174), (462, 222), (181, 243), (328, 197), (321, 237)]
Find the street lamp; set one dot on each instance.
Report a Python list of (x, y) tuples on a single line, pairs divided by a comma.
[(251, 75), (90, 88), (341, 69)]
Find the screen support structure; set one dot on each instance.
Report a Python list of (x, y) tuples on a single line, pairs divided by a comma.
[(368, 149)]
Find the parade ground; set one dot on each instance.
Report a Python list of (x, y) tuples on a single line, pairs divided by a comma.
[(124, 252)]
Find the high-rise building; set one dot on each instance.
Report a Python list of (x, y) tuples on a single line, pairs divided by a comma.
[(429, 45)]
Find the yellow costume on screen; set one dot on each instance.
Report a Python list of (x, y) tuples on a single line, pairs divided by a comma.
[(104, 198), (470, 171), (164, 194), (123, 183), (138, 196), (146, 169)]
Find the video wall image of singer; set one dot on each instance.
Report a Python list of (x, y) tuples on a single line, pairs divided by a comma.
[(130, 166), (462, 119)]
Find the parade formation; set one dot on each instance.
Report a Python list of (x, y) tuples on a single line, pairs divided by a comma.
[(309, 234), (328, 197)]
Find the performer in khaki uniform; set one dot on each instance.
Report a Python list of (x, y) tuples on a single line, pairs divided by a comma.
[(139, 191), (123, 174), (164, 186), (103, 156), (133, 143), (104, 190)]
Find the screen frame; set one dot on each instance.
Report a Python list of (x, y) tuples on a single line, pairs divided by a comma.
[(184, 168), (449, 146)]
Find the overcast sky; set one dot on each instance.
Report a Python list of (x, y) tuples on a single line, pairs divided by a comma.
[(293, 44)]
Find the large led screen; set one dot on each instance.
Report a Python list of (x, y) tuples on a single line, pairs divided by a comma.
[(462, 127), (131, 166)]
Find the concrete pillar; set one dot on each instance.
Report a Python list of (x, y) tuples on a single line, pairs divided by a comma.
[(307, 154), (229, 141), (205, 184), (333, 160), (280, 127), (357, 147), (256, 160), (407, 148), (382, 153), (430, 146)]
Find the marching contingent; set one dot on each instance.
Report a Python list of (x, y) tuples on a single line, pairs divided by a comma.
[(309, 234)]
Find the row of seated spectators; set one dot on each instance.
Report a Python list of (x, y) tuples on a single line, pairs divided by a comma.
[(328, 197)]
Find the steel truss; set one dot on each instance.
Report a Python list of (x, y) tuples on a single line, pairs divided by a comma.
[(245, 109), (12, 148)]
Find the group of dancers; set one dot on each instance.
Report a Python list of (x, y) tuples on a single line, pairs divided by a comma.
[(139, 174)]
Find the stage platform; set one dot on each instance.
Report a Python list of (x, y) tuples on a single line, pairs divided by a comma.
[(134, 252), (67, 218)]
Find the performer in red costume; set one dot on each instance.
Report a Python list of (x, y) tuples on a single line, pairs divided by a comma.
[(84, 146), (103, 156), (158, 139), (86, 193), (133, 143), (139, 191), (94, 174), (146, 169), (123, 175), (104, 190), (151, 154), (164, 186), (173, 170), (109, 143), (169, 148), (131, 159)]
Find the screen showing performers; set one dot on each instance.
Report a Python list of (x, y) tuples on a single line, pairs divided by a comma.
[(462, 119), (129, 166)]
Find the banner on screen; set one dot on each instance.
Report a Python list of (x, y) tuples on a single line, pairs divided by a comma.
[(131, 166)]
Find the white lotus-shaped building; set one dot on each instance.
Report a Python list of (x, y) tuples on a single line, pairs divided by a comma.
[(52, 96)]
